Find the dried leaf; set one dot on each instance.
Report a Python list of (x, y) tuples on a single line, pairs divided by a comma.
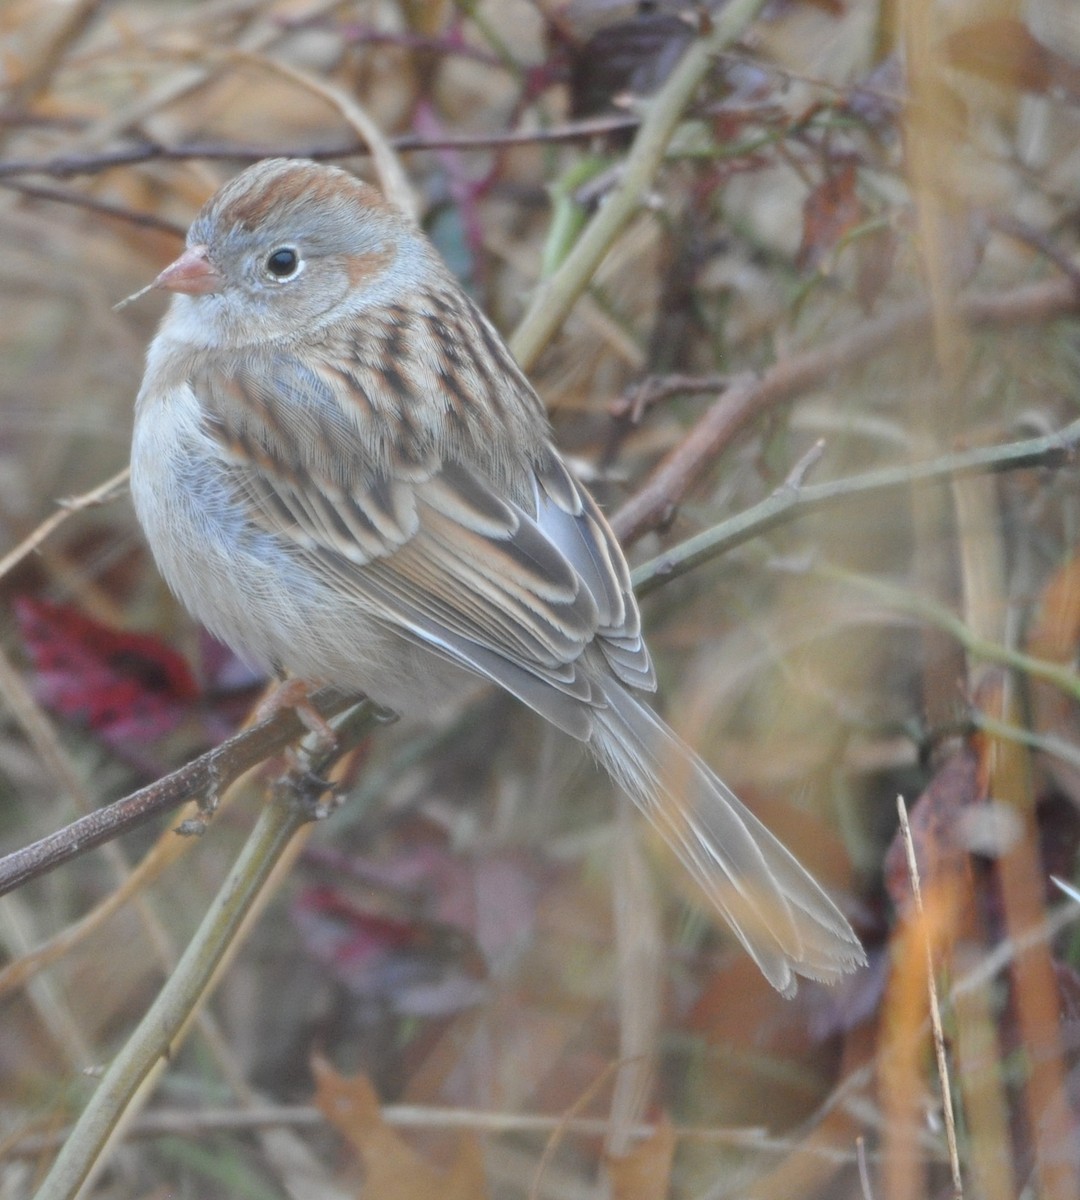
[(1007, 53), (392, 1169), (629, 58), (939, 821), (1055, 634), (644, 1173), (831, 210)]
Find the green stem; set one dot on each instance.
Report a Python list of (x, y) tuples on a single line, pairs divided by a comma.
[(157, 1036), (555, 297), (1046, 743), (942, 618)]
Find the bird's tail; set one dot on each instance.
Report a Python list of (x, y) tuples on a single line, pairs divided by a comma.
[(788, 925)]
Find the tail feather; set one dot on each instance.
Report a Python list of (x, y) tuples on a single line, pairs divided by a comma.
[(787, 924)]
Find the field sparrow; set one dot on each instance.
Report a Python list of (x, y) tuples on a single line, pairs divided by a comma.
[(343, 474)]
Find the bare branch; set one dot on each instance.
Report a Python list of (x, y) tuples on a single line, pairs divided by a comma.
[(749, 397), (199, 780), (93, 163)]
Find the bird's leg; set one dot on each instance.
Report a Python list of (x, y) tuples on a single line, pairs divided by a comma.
[(296, 694)]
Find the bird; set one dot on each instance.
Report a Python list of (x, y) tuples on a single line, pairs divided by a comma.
[(343, 474)]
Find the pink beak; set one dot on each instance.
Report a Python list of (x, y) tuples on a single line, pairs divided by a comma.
[(192, 273)]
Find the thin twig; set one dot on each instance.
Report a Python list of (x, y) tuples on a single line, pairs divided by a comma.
[(1008, 950), (848, 1094), (1046, 743), (1049, 450), (194, 1123), (104, 492), (636, 401), (864, 1169), (794, 498), (145, 220), (930, 611), (391, 176), (61, 771), (94, 163), (563, 1125), (203, 778), (198, 68), (749, 397), (1013, 227), (935, 1009)]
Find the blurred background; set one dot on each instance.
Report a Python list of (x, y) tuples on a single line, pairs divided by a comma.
[(857, 257)]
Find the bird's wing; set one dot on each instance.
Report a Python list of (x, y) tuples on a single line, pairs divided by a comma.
[(426, 545)]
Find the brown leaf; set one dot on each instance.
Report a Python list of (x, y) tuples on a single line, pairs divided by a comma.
[(629, 58), (1054, 636), (937, 824), (1006, 52), (644, 1173), (392, 1169), (1057, 628), (829, 211)]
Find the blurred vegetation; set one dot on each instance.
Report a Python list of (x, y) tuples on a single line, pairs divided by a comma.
[(857, 256)]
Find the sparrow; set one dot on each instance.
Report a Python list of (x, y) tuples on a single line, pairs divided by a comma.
[(344, 475)]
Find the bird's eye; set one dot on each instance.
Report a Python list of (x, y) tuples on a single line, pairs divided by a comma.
[(283, 263)]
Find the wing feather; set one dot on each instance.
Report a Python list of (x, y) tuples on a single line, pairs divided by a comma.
[(515, 591), (573, 522)]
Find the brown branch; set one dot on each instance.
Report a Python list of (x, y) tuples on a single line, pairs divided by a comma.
[(149, 151), (748, 397), (37, 191), (1030, 236), (100, 495), (202, 779), (71, 27), (794, 497), (636, 401)]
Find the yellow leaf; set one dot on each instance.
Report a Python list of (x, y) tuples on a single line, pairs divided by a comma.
[(392, 1169), (644, 1173)]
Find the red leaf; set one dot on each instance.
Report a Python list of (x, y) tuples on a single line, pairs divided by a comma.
[(123, 686), (418, 967)]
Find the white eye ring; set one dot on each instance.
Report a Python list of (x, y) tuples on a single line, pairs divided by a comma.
[(283, 264)]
